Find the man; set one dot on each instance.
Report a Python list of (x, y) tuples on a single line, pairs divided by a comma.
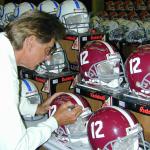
[(27, 41)]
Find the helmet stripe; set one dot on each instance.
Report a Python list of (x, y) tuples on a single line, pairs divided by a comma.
[(76, 99), (77, 4), (32, 6), (27, 85), (60, 9), (41, 7), (109, 47), (55, 3)]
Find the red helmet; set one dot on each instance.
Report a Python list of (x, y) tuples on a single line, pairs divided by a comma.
[(101, 65), (113, 128), (77, 131), (137, 68)]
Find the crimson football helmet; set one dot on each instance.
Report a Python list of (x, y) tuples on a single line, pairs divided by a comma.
[(77, 131), (113, 128), (137, 68), (101, 65)]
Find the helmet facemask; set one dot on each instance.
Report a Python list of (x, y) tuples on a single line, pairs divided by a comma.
[(77, 22), (129, 142), (58, 62), (138, 35), (116, 34), (108, 73)]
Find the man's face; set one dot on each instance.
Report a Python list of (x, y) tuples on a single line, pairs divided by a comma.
[(36, 53)]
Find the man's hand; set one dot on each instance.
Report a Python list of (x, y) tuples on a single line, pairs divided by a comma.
[(45, 106), (67, 113)]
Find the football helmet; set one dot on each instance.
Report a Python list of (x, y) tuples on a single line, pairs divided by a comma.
[(29, 96), (138, 71), (8, 12), (129, 6), (145, 15), (57, 63), (109, 26), (119, 5), (140, 5), (110, 5), (73, 14), (146, 26), (1, 15), (123, 14), (113, 128), (114, 31), (101, 65), (135, 33), (23, 7), (49, 6), (77, 131), (1, 11)]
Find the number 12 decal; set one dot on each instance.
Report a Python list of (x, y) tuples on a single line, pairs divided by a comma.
[(83, 57), (96, 131), (134, 67)]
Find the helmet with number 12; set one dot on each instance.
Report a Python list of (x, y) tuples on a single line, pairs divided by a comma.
[(113, 128), (101, 65), (137, 68)]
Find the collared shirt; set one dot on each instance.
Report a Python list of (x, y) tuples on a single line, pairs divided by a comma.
[(13, 134)]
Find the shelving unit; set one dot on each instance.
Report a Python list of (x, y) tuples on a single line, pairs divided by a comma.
[(125, 99)]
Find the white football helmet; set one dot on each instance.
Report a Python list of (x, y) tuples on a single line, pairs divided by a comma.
[(114, 30), (29, 96), (1, 15), (24, 7), (8, 13), (73, 14), (58, 62), (135, 33), (49, 6), (146, 26)]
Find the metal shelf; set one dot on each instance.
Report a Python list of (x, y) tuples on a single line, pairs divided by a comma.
[(124, 100), (53, 78)]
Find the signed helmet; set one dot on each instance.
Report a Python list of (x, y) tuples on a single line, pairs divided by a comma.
[(77, 131)]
